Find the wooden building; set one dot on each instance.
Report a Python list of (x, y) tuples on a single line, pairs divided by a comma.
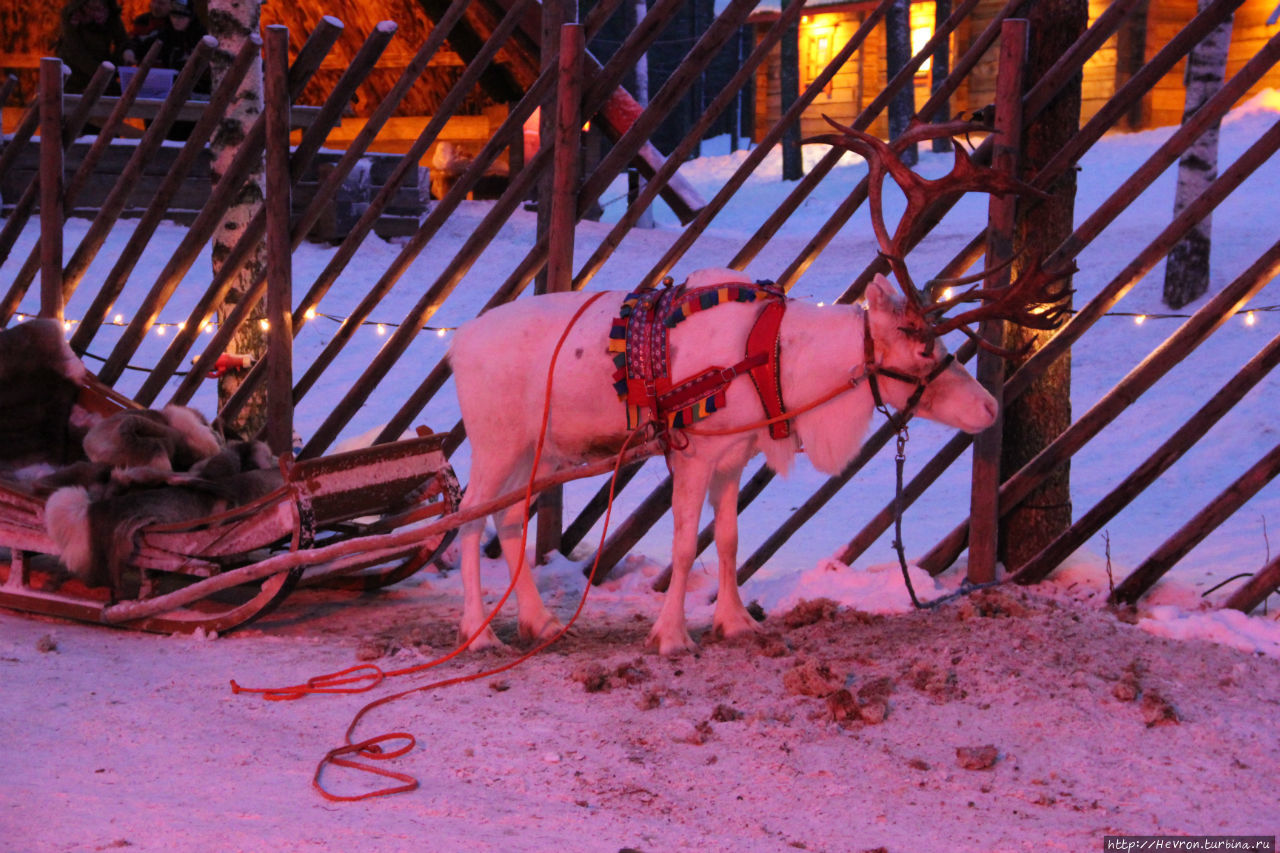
[(828, 25)]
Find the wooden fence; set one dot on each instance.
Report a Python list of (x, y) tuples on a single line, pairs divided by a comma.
[(568, 99)]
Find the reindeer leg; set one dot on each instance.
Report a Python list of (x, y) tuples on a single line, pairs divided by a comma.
[(487, 477), (473, 609), (690, 476), (731, 617), (535, 621)]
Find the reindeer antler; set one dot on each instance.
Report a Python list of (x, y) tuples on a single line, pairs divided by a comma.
[(1036, 299)]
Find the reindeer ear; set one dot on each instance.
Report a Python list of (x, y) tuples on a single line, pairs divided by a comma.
[(881, 295)]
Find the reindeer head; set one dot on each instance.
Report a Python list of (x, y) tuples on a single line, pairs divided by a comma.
[(1036, 299), (911, 370)]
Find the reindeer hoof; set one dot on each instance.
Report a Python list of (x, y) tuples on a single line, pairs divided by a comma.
[(671, 644), (727, 629), (486, 639), (548, 627)]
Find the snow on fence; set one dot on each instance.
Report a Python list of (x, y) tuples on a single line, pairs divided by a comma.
[(597, 96)]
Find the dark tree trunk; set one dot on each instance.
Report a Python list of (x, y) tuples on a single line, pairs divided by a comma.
[(941, 68), (897, 25), (1186, 272), (1041, 414), (789, 77)]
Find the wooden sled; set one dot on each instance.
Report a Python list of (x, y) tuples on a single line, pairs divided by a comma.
[(331, 499)]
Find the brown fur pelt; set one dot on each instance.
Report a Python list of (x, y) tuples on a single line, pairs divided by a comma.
[(174, 438), (39, 382), (97, 525)]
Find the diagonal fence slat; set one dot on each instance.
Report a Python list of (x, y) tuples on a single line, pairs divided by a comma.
[(605, 171), (246, 245), (223, 196), (114, 282), (600, 87), (363, 227)]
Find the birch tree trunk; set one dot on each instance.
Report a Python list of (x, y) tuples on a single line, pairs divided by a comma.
[(1186, 272), (897, 27), (231, 22)]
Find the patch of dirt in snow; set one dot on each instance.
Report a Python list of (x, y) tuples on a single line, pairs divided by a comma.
[(1007, 721)]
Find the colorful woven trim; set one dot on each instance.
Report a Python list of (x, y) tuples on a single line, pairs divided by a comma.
[(710, 296), (638, 340)]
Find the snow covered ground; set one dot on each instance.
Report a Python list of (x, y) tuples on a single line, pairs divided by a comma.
[(136, 741)]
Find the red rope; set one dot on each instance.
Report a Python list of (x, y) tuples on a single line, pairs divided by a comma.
[(371, 675)]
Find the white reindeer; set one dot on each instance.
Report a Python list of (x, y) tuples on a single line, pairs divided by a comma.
[(500, 364)]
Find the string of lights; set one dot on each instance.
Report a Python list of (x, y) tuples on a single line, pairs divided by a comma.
[(380, 327), (210, 326)]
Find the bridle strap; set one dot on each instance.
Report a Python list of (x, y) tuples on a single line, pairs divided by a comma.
[(872, 371)]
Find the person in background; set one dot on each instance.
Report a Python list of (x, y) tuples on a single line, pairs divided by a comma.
[(92, 33), (144, 26), (178, 36)]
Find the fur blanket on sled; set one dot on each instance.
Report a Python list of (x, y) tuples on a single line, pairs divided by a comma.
[(106, 477)]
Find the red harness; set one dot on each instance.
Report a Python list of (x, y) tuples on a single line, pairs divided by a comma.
[(643, 381)]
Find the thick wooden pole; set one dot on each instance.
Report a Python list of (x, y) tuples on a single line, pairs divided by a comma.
[(279, 248), (561, 218), (983, 515), (51, 174), (246, 247)]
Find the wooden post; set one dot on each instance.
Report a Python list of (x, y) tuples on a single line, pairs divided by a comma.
[(983, 517), (246, 246), (51, 214), (561, 217), (279, 250)]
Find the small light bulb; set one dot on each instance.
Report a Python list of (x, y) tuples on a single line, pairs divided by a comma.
[(440, 333), (182, 327), (119, 319), (1139, 319), (160, 331), (1249, 318), (382, 330), (264, 324), (310, 313), (946, 294), (66, 325)]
